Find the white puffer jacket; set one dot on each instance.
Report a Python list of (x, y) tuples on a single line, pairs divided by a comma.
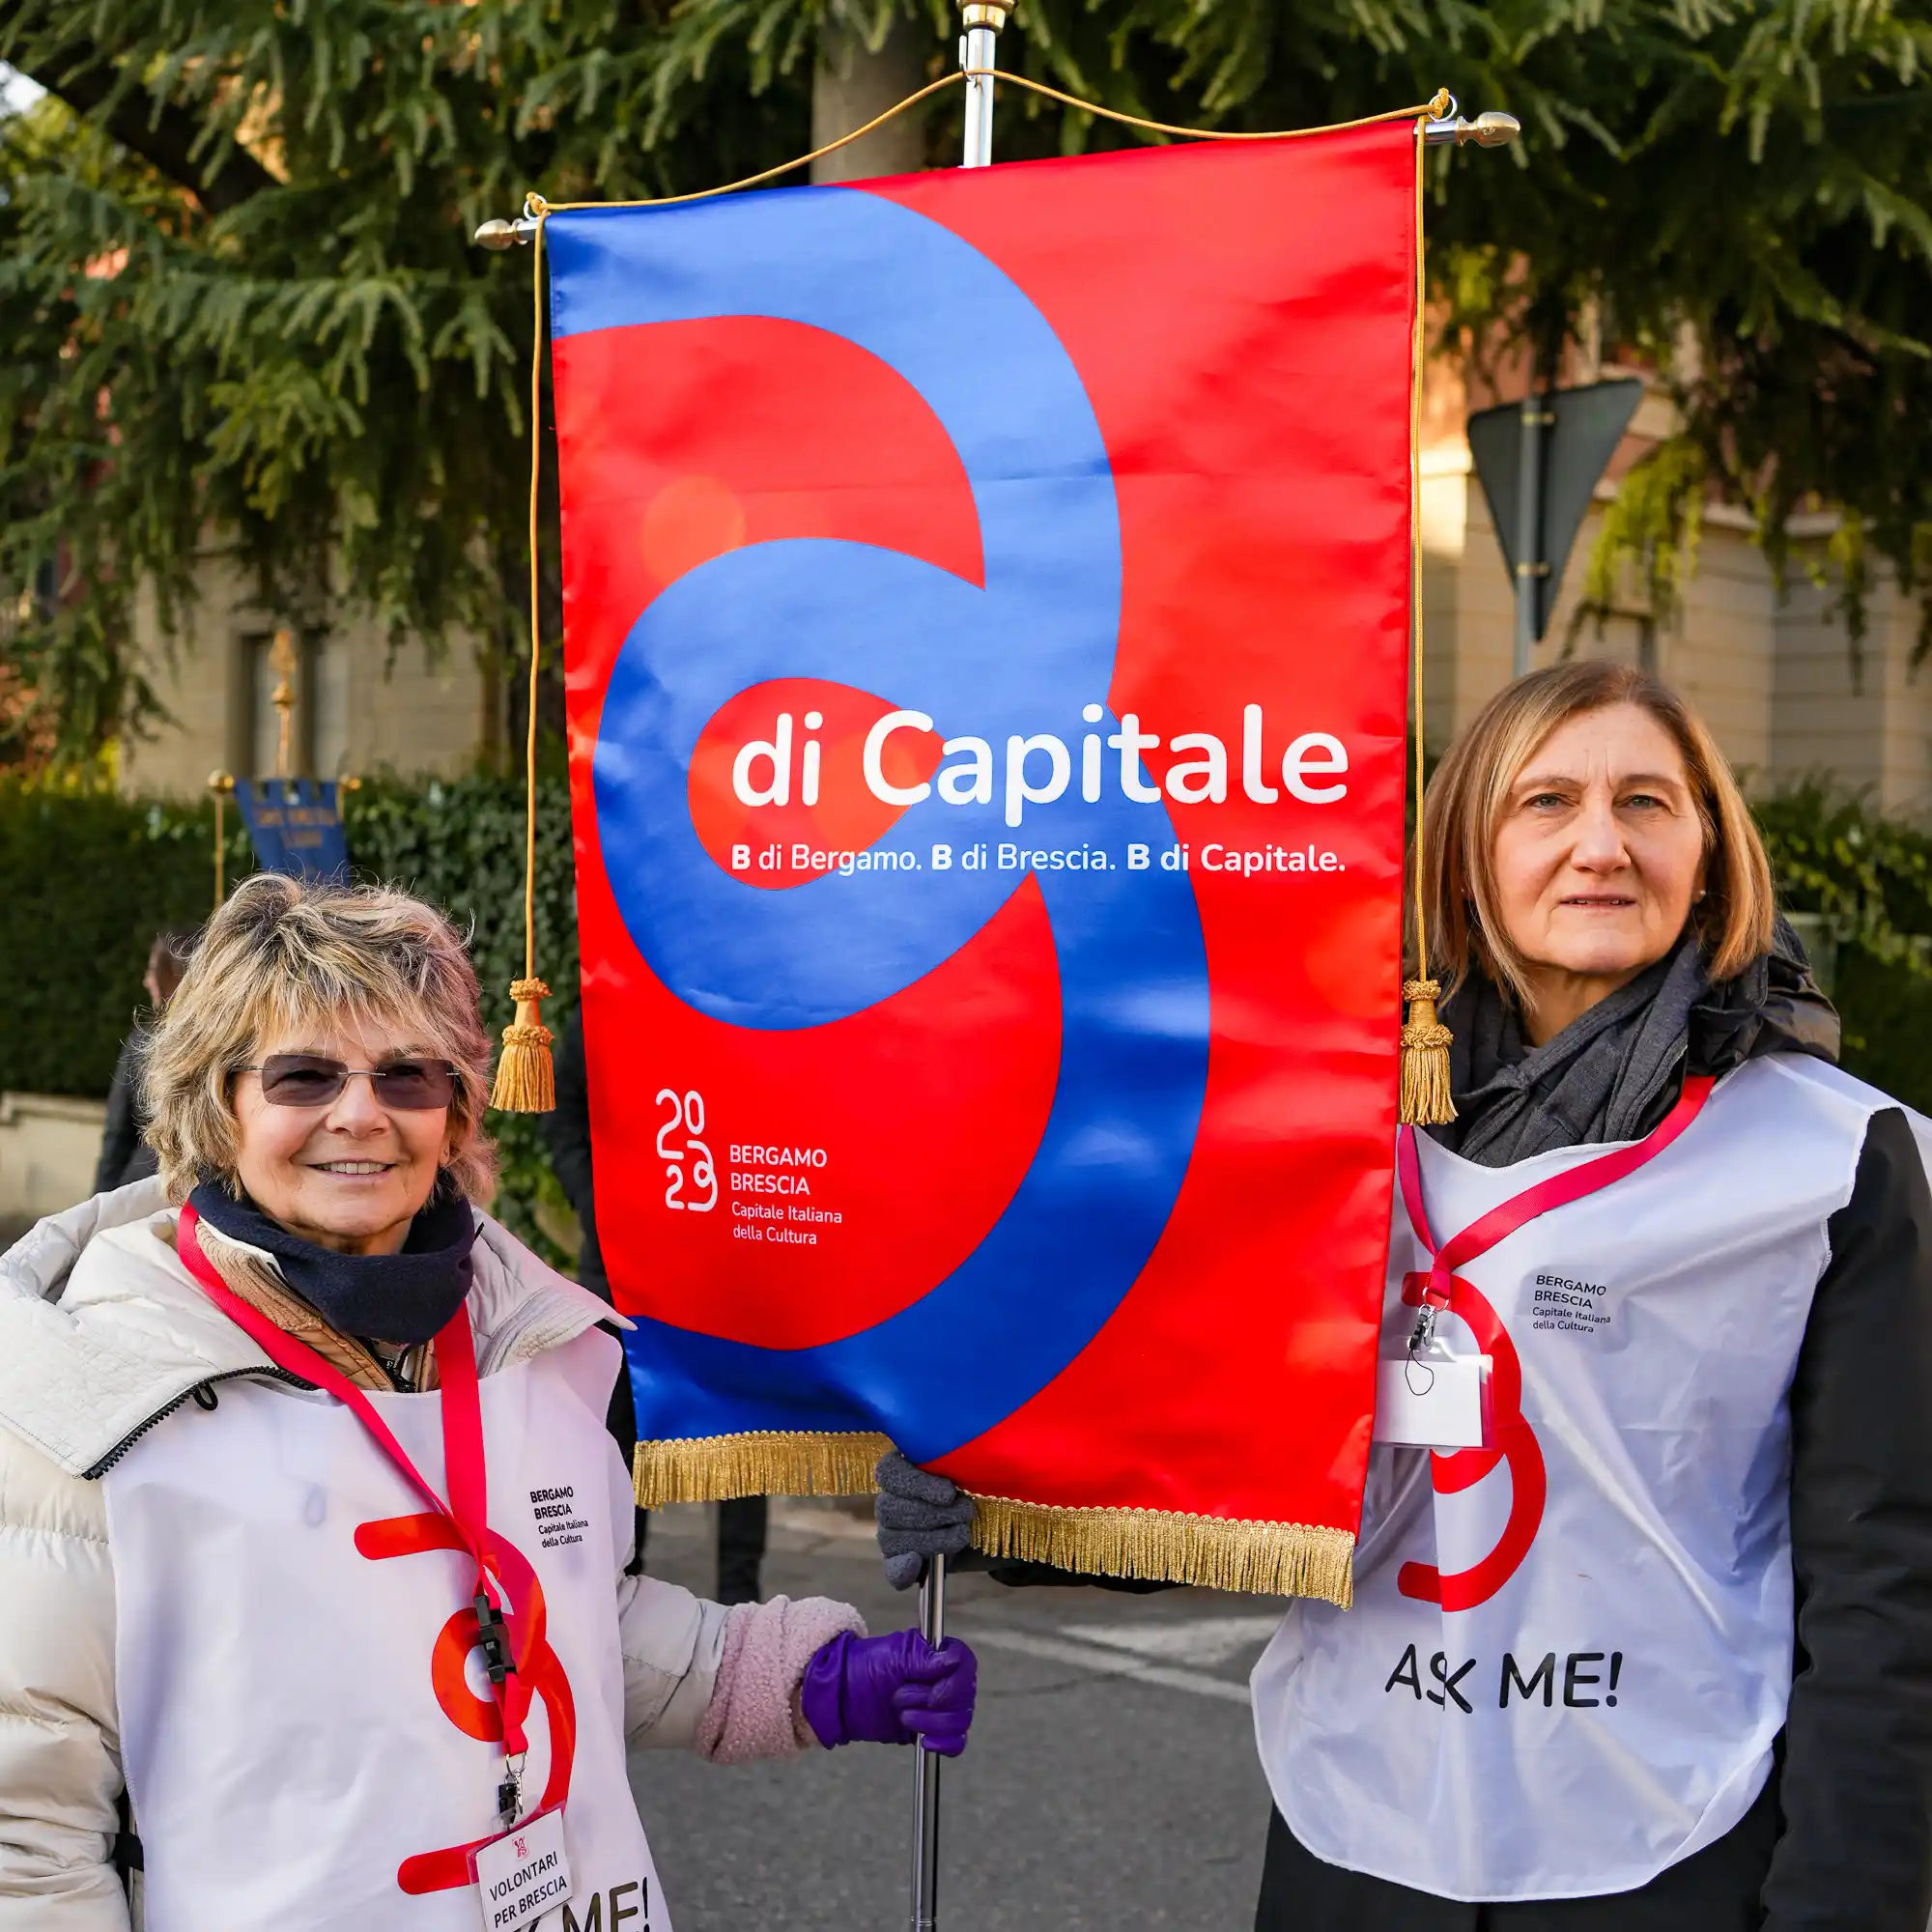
[(102, 1332)]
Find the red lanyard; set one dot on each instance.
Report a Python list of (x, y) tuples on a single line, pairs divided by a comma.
[(461, 1453), (1480, 1236)]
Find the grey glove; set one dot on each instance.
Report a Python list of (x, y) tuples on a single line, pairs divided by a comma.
[(920, 1515)]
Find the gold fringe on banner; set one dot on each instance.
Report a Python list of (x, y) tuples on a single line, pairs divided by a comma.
[(760, 1463), (1269, 1559)]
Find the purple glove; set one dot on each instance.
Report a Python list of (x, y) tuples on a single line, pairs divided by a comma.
[(891, 1691)]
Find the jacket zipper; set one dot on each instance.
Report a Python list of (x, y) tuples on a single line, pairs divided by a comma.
[(127, 1442)]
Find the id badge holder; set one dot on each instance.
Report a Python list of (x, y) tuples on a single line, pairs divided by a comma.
[(1434, 1400), (524, 1873)]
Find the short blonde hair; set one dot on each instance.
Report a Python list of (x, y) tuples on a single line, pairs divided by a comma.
[(281, 955), (1470, 791)]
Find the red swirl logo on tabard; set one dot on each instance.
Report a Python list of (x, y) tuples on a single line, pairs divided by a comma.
[(478, 1717), (1514, 1445)]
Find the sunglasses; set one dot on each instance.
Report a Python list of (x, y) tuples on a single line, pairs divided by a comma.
[(309, 1080)]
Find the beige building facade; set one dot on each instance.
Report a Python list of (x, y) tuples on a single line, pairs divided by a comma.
[(1773, 671), (360, 706)]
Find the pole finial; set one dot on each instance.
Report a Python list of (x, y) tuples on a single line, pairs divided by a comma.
[(1492, 128), (283, 660), (991, 13)]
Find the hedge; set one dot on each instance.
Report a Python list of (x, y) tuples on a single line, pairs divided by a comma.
[(88, 877), (86, 881), (1870, 878)]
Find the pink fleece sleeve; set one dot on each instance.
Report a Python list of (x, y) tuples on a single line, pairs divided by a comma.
[(754, 1711)]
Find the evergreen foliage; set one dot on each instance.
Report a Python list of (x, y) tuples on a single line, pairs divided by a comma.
[(243, 313)]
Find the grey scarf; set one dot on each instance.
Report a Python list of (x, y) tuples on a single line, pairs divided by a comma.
[(1613, 1072)]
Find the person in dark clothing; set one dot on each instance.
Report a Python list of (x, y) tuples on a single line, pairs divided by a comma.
[(741, 1522), (125, 1156), (1657, 1656)]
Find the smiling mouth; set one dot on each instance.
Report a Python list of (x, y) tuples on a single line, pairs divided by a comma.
[(353, 1167), (1597, 901)]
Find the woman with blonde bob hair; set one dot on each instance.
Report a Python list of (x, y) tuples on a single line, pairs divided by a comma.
[(1648, 1644), (314, 1601)]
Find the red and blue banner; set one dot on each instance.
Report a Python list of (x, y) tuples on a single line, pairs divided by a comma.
[(986, 604)]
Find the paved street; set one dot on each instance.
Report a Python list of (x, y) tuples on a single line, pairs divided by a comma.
[(1110, 1781)]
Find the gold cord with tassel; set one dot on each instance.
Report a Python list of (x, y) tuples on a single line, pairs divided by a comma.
[(526, 1079), (1424, 1098)]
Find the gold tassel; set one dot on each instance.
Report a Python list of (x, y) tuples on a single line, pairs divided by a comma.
[(526, 1080), (1425, 1058), (757, 1462), (1271, 1559)]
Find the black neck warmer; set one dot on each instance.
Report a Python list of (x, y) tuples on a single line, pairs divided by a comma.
[(401, 1297)]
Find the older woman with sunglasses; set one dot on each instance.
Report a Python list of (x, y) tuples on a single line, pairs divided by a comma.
[(313, 1604)]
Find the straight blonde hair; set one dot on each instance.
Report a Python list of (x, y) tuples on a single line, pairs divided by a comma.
[(282, 954), (1470, 792)]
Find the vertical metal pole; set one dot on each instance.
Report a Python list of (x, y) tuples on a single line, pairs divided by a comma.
[(220, 785), (925, 1768), (1529, 563), (979, 55)]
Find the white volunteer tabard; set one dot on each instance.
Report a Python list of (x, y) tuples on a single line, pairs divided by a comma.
[(1599, 1698), (303, 1722)]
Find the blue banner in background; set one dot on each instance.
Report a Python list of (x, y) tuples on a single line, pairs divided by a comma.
[(295, 826)]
